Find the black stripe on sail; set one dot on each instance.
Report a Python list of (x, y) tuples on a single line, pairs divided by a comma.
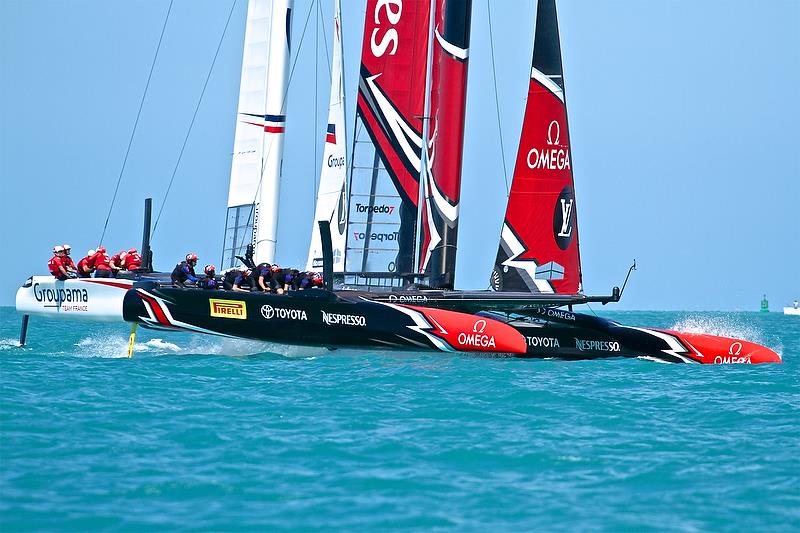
[(457, 16), (546, 43)]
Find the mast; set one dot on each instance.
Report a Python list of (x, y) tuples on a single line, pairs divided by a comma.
[(252, 216), (445, 142), (538, 249), (332, 193)]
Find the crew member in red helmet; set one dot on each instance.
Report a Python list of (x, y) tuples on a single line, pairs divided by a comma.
[(133, 260), (102, 264)]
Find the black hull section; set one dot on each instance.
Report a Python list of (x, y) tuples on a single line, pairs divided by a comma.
[(422, 320)]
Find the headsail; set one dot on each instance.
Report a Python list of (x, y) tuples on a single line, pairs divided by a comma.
[(384, 183), (442, 179), (538, 249), (258, 144), (332, 194)]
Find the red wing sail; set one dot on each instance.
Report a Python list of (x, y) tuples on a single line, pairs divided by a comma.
[(538, 249), (388, 137), (442, 181)]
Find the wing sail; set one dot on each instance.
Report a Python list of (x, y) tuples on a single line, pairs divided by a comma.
[(387, 143), (258, 143), (332, 193), (538, 249)]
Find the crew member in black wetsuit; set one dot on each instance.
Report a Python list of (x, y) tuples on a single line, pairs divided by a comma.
[(282, 278), (244, 281), (263, 277), (210, 281), (307, 280), (228, 277), (184, 271)]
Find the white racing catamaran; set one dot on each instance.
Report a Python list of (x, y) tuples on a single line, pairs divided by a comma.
[(385, 234)]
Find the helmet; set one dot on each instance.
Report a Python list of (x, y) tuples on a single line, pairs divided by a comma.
[(91, 253), (132, 251), (274, 268), (190, 257), (58, 249), (101, 249), (209, 269), (247, 272), (67, 247), (316, 278)]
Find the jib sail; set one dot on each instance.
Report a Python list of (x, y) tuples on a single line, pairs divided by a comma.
[(387, 148), (442, 179), (332, 194), (258, 143), (538, 249)]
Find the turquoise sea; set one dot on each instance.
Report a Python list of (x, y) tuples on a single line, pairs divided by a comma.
[(201, 433)]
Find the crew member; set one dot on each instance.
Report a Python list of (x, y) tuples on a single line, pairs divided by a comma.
[(86, 265), (184, 271), (244, 281), (102, 264), (117, 262), (263, 277), (228, 277), (67, 261), (307, 280), (56, 264), (210, 281), (282, 278), (133, 261)]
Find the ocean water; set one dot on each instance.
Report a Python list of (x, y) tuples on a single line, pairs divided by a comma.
[(201, 433)]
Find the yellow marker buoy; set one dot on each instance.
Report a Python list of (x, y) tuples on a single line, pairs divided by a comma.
[(132, 339)]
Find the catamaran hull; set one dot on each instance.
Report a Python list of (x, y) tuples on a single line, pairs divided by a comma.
[(354, 319), (96, 299)]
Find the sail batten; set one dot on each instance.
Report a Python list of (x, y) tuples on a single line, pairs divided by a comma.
[(538, 249)]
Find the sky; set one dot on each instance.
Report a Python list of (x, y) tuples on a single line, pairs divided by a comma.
[(683, 120)]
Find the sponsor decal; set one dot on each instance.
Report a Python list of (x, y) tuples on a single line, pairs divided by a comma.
[(380, 237), (335, 162), (338, 319), (556, 313), (361, 208), (59, 296), (731, 360), (600, 346), (382, 39), (554, 156), (415, 298), (228, 308), (543, 342), (269, 312), (477, 339), (563, 218), (733, 356)]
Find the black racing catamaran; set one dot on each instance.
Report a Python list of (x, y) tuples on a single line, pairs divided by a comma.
[(386, 238)]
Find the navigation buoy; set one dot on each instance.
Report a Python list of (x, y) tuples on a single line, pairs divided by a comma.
[(764, 304)]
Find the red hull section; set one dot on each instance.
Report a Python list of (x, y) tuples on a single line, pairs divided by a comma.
[(710, 349)]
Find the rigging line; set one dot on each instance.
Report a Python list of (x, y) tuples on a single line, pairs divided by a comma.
[(283, 106), (316, 101), (194, 116), (136, 123), (496, 99), (325, 41)]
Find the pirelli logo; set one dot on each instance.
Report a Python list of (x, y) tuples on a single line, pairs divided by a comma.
[(227, 308)]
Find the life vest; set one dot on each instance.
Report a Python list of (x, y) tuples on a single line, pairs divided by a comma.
[(179, 272), (53, 265), (133, 261), (101, 261)]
